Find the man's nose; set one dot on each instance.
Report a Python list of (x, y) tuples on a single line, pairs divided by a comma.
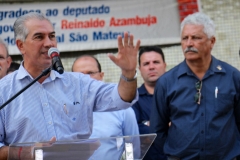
[(48, 42), (151, 66), (189, 42)]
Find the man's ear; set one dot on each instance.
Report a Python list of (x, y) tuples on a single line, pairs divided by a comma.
[(9, 61), (165, 66), (213, 40), (101, 75), (19, 44)]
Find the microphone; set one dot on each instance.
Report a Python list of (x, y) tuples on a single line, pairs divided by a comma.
[(56, 61)]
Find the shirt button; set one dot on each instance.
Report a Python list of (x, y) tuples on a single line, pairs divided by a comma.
[(202, 131), (45, 104), (50, 122)]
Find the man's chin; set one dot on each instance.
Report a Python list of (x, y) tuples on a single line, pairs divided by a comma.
[(191, 57), (153, 79), (47, 65)]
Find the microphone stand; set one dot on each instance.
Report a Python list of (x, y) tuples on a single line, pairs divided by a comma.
[(44, 73)]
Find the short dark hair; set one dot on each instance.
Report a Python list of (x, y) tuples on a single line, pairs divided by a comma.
[(149, 49), (98, 64)]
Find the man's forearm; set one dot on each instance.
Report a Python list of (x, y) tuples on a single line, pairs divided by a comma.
[(4, 153), (127, 87)]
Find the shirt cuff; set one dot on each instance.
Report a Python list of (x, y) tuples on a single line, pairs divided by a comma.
[(121, 104), (1, 145)]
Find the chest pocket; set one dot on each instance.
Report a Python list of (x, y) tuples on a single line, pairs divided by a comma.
[(224, 103), (70, 115)]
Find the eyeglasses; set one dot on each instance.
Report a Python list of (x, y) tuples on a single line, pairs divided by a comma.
[(92, 73), (197, 96)]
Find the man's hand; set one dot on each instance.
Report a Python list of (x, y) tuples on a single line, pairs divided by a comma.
[(126, 58)]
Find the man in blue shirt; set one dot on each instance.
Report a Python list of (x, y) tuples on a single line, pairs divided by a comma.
[(151, 65), (200, 97), (57, 106), (107, 124)]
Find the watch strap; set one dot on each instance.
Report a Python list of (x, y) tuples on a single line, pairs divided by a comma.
[(129, 80)]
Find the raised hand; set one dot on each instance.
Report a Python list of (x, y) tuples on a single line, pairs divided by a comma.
[(126, 58)]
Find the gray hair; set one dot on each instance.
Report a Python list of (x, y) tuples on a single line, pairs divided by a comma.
[(200, 19), (5, 46), (20, 30)]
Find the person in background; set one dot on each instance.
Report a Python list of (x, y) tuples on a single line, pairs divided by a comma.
[(152, 65), (58, 106), (201, 98), (107, 124), (13, 67), (5, 59)]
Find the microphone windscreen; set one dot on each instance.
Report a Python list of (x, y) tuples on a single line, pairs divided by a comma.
[(53, 50)]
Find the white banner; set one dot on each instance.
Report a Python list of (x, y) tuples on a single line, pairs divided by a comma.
[(96, 24)]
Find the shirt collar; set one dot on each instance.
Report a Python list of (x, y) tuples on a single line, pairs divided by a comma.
[(215, 66), (22, 73), (142, 90)]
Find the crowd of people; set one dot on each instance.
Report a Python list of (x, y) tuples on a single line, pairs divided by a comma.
[(193, 108)]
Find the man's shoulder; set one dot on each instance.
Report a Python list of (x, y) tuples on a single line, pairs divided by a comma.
[(172, 73), (8, 79), (227, 69), (227, 66), (72, 77)]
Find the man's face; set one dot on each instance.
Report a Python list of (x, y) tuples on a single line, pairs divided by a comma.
[(195, 43), (88, 65), (151, 66), (5, 61), (40, 39)]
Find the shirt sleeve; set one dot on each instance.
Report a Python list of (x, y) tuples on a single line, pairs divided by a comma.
[(159, 116), (106, 97)]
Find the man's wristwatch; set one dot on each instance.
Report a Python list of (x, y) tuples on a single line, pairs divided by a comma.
[(129, 80)]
